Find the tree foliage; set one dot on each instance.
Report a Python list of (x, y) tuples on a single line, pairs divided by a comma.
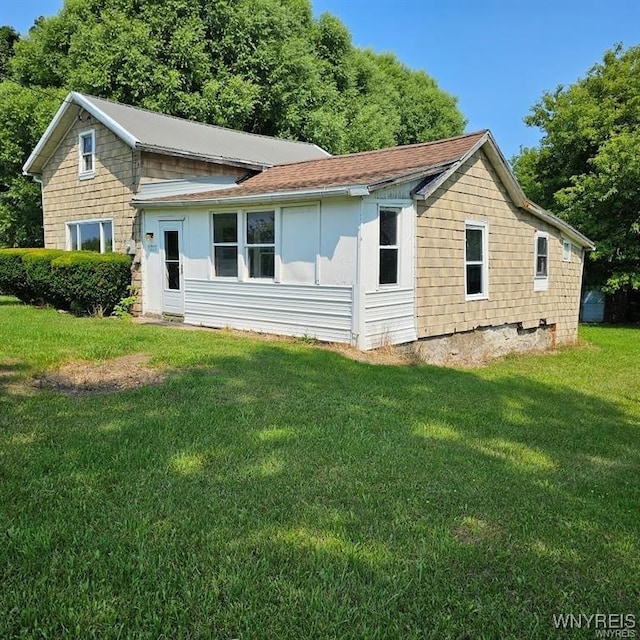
[(24, 115), (587, 168), (8, 37), (264, 66)]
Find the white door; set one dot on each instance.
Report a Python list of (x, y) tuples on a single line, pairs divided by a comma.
[(171, 258)]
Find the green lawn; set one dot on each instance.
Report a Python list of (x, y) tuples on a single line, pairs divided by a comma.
[(270, 489)]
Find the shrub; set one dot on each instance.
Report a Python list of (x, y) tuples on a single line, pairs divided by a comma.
[(81, 281), (13, 277), (91, 282)]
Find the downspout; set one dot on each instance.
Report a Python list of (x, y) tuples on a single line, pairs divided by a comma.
[(38, 179), (357, 330)]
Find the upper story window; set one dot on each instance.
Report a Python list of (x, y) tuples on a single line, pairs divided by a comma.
[(476, 261), (87, 154), (388, 259), (261, 244), (92, 235), (225, 245), (541, 280), (566, 250)]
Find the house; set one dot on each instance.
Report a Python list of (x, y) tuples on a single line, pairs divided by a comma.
[(96, 155), (432, 243)]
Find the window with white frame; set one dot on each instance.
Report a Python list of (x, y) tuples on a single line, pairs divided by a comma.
[(475, 261), (260, 244), (388, 255), (87, 154), (225, 245), (90, 235), (541, 261), (566, 250)]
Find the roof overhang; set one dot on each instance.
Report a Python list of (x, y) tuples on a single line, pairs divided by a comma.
[(58, 128), (233, 162), (71, 108), (501, 166), (254, 198)]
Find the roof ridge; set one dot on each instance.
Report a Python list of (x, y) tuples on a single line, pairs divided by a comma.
[(204, 124)]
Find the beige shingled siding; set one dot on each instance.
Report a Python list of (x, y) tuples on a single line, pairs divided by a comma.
[(67, 198), (475, 193), (118, 173), (156, 167)]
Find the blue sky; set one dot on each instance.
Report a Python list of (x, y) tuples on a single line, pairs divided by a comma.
[(496, 56)]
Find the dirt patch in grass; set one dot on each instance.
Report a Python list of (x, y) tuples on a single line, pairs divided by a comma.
[(81, 378), (473, 531)]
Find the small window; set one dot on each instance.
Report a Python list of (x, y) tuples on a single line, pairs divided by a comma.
[(91, 236), (261, 244), (566, 250), (388, 269), (475, 261), (225, 245), (87, 150), (541, 279)]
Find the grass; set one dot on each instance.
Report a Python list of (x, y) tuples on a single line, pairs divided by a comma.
[(277, 490)]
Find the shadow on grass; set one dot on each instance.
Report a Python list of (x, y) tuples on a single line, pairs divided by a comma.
[(6, 301), (295, 493)]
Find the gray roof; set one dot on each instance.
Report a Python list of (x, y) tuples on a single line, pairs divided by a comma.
[(152, 131)]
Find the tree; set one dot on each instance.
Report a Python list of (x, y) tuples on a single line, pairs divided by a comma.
[(8, 37), (587, 168), (263, 66), (24, 114)]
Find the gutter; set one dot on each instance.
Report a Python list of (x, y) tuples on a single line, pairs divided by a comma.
[(572, 234), (278, 196)]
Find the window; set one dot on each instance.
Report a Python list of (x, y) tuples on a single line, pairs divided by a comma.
[(87, 152), (261, 244), (172, 259), (540, 282), (475, 261), (91, 236), (566, 250), (225, 245), (388, 264)]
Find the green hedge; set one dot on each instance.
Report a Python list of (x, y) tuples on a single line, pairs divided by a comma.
[(80, 281)]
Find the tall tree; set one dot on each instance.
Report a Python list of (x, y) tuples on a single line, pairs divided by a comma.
[(264, 66), (8, 37), (587, 168)]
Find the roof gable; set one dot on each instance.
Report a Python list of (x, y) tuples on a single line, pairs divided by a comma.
[(160, 133)]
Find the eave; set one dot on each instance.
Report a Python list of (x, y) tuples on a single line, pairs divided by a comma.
[(256, 198)]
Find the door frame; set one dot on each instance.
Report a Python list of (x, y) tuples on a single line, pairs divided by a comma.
[(172, 299)]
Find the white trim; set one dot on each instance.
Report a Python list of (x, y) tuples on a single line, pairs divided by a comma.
[(86, 174), (540, 282), (66, 103), (214, 244), (275, 244), (397, 246), (258, 199), (100, 221), (484, 227), (106, 120)]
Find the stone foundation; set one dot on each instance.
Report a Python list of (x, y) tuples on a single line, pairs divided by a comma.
[(482, 344)]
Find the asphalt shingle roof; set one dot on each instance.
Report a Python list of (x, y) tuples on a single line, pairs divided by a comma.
[(366, 168)]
